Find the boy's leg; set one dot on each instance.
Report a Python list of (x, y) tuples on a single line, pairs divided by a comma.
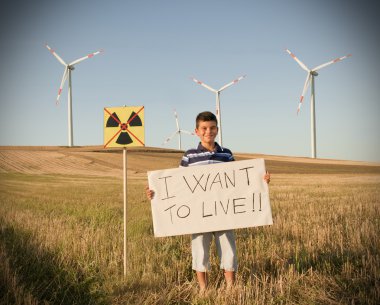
[(226, 247), (202, 279), (230, 278), (200, 250)]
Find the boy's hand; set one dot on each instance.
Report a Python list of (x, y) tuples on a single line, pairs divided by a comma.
[(149, 193), (267, 177)]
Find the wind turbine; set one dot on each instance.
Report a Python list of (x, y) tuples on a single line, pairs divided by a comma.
[(67, 74), (178, 131), (311, 73), (217, 94)]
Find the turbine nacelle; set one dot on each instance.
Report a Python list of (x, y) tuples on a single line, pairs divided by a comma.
[(314, 73)]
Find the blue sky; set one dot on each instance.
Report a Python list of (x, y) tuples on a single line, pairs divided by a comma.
[(153, 48)]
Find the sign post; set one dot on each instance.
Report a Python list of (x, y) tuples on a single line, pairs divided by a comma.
[(125, 207), (123, 127)]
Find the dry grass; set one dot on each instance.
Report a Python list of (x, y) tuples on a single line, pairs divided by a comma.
[(61, 237)]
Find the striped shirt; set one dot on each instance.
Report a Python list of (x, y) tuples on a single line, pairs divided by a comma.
[(201, 156)]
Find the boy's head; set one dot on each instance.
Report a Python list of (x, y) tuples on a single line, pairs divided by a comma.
[(205, 116), (206, 128)]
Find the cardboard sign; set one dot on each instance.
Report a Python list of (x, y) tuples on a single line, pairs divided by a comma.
[(210, 198)]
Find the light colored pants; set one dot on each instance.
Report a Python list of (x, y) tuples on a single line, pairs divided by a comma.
[(225, 246)]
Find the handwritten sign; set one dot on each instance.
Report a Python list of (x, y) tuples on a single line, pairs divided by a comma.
[(210, 198)]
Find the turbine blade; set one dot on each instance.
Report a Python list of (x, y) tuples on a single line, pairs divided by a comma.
[(85, 57), (61, 86), (176, 119), (204, 85), (231, 83), (187, 132), (331, 62), (169, 138), (306, 85), (56, 55), (303, 66)]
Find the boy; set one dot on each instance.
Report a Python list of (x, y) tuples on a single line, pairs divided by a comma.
[(209, 152)]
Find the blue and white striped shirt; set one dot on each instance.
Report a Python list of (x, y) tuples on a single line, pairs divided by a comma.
[(201, 156)]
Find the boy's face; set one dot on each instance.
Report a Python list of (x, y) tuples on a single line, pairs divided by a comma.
[(207, 131)]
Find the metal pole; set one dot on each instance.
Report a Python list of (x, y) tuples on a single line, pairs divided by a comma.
[(125, 208), (70, 113), (312, 119)]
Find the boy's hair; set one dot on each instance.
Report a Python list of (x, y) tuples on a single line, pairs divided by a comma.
[(205, 116)]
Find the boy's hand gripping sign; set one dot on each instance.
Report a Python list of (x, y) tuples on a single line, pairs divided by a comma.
[(210, 198)]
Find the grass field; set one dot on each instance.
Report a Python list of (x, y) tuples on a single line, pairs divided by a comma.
[(61, 234)]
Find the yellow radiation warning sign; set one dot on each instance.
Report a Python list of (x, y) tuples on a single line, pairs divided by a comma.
[(124, 126)]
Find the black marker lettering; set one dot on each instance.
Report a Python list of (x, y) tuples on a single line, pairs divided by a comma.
[(216, 181), (246, 170), (238, 205), (198, 183), (260, 202), (184, 215), (203, 211), (171, 216), (225, 210), (166, 186), (229, 179)]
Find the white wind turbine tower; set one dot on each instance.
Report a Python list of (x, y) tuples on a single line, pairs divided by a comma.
[(217, 94), (67, 74), (178, 131), (311, 73)]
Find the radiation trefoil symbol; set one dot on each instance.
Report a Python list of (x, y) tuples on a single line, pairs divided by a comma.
[(124, 126)]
